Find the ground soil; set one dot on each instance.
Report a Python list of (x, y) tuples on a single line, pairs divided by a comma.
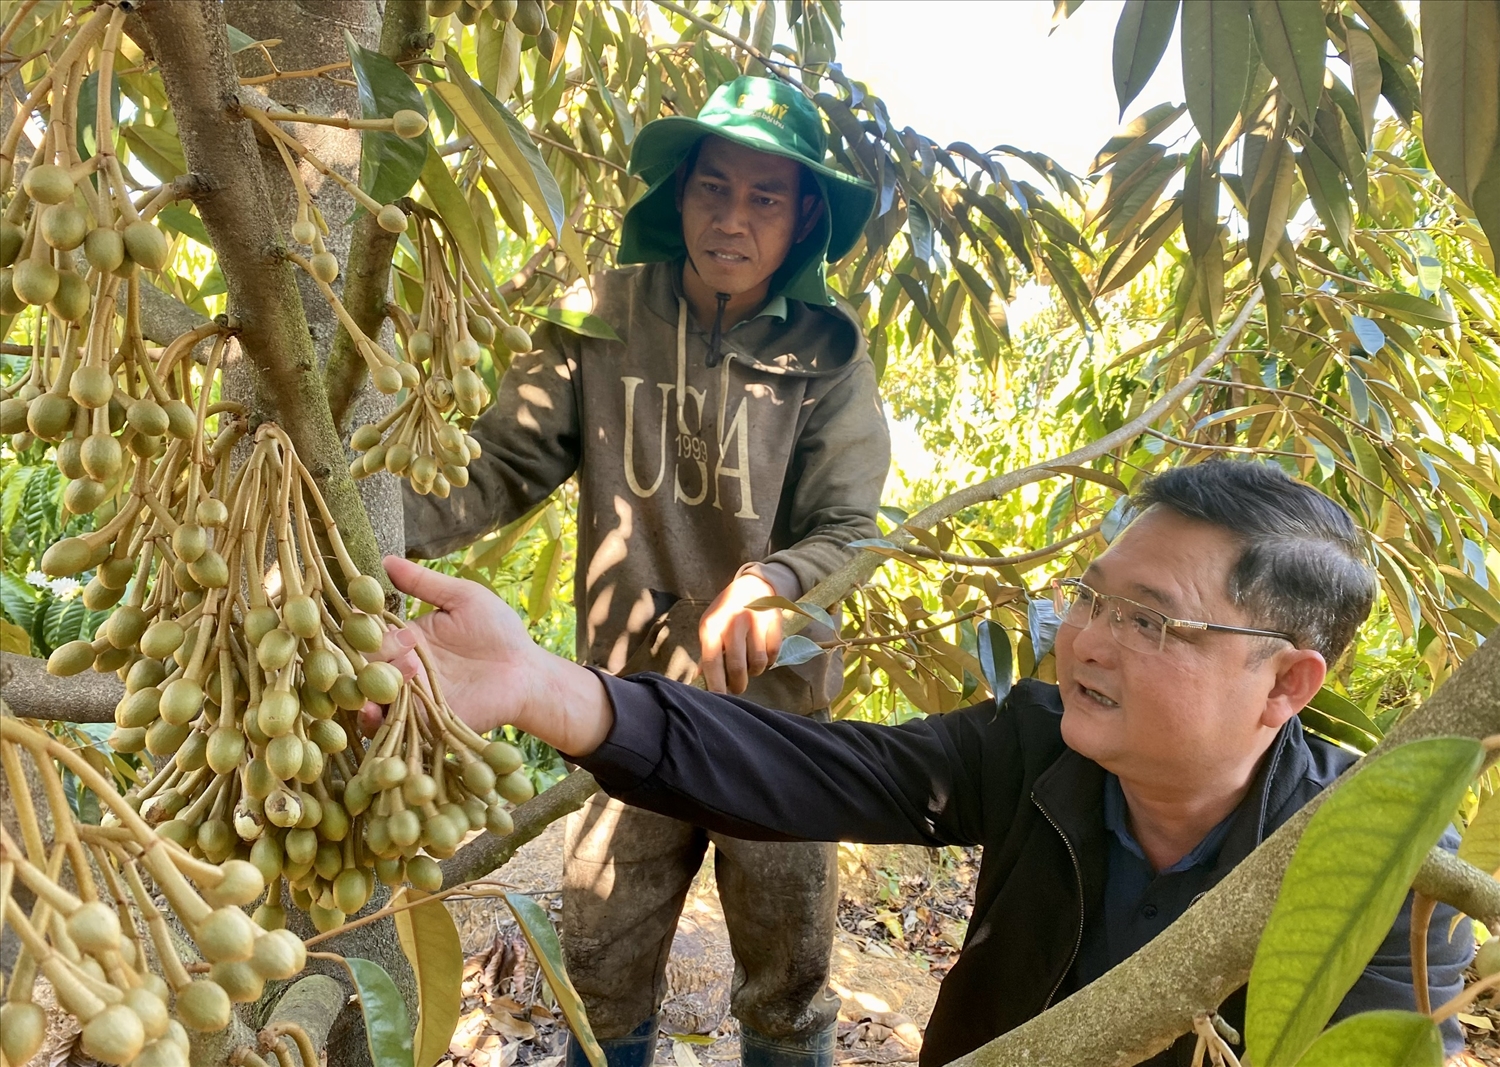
[(902, 917)]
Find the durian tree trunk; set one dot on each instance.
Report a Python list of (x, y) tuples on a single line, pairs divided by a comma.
[(285, 333)]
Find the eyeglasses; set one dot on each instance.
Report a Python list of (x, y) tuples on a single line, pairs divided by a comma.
[(1133, 626)]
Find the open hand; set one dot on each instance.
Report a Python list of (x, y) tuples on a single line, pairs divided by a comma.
[(489, 669), (474, 641), (738, 643)]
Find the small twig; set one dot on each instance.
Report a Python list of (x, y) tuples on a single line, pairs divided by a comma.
[(522, 278), (278, 74), (572, 151), (392, 909), (1468, 996), (1241, 449), (923, 552), (1421, 916), (1335, 274), (886, 639)]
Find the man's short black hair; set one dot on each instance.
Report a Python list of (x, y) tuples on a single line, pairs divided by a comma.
[(1303, 569)]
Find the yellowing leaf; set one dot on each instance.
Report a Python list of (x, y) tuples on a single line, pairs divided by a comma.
[(430, 941), (541, 938), (1481, 843), (13, 639), (544, 580)]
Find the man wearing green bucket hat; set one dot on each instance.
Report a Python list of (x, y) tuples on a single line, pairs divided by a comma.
[(728, 446)]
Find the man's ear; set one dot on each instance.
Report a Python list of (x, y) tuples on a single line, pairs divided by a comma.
[(680, 185), (1299, 676), (812, 213)]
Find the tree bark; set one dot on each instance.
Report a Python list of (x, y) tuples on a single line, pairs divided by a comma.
[(313, 1003), (32, 693), (285, 328), (190, 43), (1143, 1005), (312, 35)]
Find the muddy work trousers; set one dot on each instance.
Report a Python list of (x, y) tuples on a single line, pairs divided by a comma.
[(626, 875)]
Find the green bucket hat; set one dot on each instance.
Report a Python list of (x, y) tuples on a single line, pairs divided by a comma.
[(768, 116)]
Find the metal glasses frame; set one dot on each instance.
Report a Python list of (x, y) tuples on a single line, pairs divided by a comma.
[(1059, 601)]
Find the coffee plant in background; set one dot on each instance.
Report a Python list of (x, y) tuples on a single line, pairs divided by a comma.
[(1336, 314)]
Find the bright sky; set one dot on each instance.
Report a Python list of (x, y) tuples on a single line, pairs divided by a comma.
[(986, 72)]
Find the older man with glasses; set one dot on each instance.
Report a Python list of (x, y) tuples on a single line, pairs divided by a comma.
[(1106, 803)]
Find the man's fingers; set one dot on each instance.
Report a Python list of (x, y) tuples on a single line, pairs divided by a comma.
[(734, 654), (430, 586), (370, 718), (408, 664), (397, 642), (713, 674), (710, 650), (756, 660), (768, 638)]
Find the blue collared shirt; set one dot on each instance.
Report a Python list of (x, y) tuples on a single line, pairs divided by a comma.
[(1139, 901)]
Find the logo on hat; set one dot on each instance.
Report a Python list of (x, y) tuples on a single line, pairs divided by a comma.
[(772, 113)]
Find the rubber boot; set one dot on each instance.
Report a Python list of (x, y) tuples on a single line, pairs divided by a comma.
[(635, 1049), (814, 1050)]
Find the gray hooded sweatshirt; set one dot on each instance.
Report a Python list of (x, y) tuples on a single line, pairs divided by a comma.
[(688, 474)]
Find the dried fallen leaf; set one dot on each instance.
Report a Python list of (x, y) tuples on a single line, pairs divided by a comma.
[(466, 1034), (512, 1027)]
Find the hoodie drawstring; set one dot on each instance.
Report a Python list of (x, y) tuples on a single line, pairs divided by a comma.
[(682, 317), (715, 335)]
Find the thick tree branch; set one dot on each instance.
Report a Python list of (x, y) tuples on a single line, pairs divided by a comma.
[(367, 274), (1449, 879), (404, 33), (164, 317), (190, 43), (488, 852), (313, 1003), (32, 693), (858, 570), (1142, 1006)]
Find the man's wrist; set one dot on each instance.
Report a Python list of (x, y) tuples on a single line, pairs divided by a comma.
[(781, 578), (568, 707)]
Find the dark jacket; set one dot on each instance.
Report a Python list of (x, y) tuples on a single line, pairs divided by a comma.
[(686, 472), (1001, 778)]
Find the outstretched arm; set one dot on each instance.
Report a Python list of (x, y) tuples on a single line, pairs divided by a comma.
[(722, 763)]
